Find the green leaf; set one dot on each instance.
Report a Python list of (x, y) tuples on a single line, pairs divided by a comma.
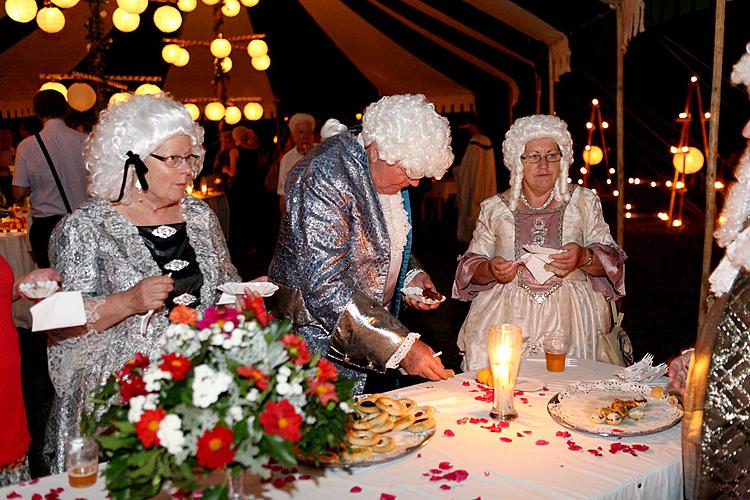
[(281, 450), (115, 442), (215, 493), (125, 427)]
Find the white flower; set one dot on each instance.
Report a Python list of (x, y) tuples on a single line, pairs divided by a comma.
[(208, 385), (139, 404), (228, 326), (170, 434), (283, 388), (218, 339), (252, 396), (284, 371), (310, 419), (234, 414), (152, 376), (345, 407), (204, 334)]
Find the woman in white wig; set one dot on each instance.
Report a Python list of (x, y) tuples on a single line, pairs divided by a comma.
[(138, 245), (540, 209)]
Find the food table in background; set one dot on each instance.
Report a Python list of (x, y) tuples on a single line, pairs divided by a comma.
[(473, 456), (16, 249)]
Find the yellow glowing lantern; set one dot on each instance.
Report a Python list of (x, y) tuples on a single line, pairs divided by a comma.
[(249, 3), (226, 65), (50, 19), (147, 89), (167, 19), (125, 21), (257, 48), (56, 86), (231, 8), (261, 63), (65, 4), (21, 11), (183, 57), (253, 111), (690, 161), (187, 5), (593, 155), (214, 111), (118, 98), (210, 2), (133, 6), (170, 52), (81, 96), (194, 111), (232, 115), (220, 47)]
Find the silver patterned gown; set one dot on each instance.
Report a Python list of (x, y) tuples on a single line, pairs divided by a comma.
[(98, 252), (333, 255)]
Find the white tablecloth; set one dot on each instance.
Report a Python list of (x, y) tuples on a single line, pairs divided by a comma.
[(519, 469), (15, 248)]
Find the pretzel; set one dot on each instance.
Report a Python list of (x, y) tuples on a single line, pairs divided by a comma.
[(403, 422), (423, 412), (361, 425), (382, 429), (421, 426), (390, 405), (357, 454), (384, 444), (361, 438)]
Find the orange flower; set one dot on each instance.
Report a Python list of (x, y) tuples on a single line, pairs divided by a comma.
[(258, 377), (184, 314), (326, 371), (324, 390), (148, 426), (297, 348)]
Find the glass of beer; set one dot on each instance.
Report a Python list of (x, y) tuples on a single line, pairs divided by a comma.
[(82, 461), (555, 349)]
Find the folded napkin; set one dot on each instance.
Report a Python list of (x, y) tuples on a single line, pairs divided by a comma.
[(61, 310), (642, 371), (231, 290), (535, 260)]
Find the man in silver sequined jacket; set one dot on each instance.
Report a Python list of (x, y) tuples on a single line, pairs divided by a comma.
[(344, 248)]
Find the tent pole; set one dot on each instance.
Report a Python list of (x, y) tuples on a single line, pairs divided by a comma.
[(713, 142), (620, 124)]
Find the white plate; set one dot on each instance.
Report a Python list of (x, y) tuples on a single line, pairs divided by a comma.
[(38, 289), (415, 293)]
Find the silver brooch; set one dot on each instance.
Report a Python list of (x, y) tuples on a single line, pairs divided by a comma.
[(184, 299), (164, 232), (176, 265)]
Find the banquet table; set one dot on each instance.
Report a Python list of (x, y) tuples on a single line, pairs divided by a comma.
[(532, 458), (15, 248)]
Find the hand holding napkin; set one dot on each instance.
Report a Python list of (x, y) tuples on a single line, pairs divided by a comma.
[(230, 291), (535, 261), (61, 310)]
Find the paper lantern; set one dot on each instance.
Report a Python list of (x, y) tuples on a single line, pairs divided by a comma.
[(22, 11), (593, 155), (65, 4), (253, 111), (210, 2), (220, 47), (56, 86), (214, 111), (125, 21), (187, 5), (194, 111), (261, 63), (231, 8), (183, 57), (81, 96), (133, 6), (690, 162), (118, 98), (147, 89), (50, 19), (248, 3), (226, 65), (257, 48), (232, 115), (170, 52), (167, 19)]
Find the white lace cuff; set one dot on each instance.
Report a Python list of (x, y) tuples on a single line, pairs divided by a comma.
[(411, 275), (400, 353), (91, 307)]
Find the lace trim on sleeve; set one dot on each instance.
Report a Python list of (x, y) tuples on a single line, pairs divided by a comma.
[(411, 275), (91, 307), (400, 353)]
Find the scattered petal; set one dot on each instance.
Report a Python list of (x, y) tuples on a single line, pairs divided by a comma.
[(289, 479), (595, 453), (640, 447), (462, 421), (448, 433), (486, 473), (445, 487), (419, 455), (436, 471), (519, 434), (527, 432), (426, 474), (304, 477), (562, 434), (617, 430), (34, 481), (545, 389), (466, 383), (355, 489), (541, 442), (457, 475), (445, 465), (13, 494), (505, 439), (387, 496), (518, 393), (279, 482)]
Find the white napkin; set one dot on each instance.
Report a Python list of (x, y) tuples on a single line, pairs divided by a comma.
[(535, 260), (62, 310), (642, 371), (231, 290)]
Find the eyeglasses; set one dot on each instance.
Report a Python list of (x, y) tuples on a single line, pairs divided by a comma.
[(176, 161), (536, 158)]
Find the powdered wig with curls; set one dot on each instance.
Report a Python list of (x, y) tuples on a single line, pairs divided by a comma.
[(298, 118), (407, 129), (526, 129), (141, 124)]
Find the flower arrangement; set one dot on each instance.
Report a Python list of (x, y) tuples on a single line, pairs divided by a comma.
[(231, 390)]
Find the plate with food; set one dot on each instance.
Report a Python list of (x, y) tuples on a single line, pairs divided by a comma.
[(615, 408), (426, 295), (381, 429)]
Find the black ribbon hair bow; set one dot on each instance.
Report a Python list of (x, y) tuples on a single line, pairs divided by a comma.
[(140, 173)]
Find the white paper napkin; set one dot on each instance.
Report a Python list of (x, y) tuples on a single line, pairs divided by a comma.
[(231, 290), (62, 310), (535, 260), (38, 289)]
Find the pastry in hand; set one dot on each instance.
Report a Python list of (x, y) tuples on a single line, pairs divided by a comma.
[(429, 293)]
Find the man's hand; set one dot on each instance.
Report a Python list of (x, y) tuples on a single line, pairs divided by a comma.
[(419, 361), (423, 281), (678, 370)]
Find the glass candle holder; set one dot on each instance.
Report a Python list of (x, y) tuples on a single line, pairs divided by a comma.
[(504, 348)]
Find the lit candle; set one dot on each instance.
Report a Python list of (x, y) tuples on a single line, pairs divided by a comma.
[(504, 348), (189, 189), (204, 189)]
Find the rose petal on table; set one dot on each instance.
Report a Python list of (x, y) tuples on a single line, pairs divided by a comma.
[(519, 434), (304, 477), (445, 465), (562, 434), (448, 433), (462, 421), (545, 389), (617, 430), (436, 471), (595, 453), (541, 442), (36, 496), (445, 487), (289, 479), (640, 447), (505, 439), (13, 494), (387, 496), (355, 489), (279, 482), (419, 455), (466, 383), (527, 432), (458, 475)]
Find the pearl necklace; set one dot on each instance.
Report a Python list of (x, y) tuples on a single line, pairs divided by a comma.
[(544, 205)]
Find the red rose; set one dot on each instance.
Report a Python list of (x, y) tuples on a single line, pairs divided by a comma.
[(131, 387), (324, 390), (258, 377), (215, 448), (326, 371), (148, 426), (296, 348), (254, 303), (175, 364), (280, 419)]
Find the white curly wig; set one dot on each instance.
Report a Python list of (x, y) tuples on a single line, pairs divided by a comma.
[(140, 124), (520, 133), (298, 118), (407, 129)]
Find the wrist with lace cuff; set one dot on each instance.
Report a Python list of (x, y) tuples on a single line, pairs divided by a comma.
[(402, 350), (411, 275)]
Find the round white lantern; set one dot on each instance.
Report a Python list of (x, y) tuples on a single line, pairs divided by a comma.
[(183, 57), (261, 63), (232, 115), (50, 19), (593, 155), (249, 3), (688, 162), (187, 5), (56, 86), (21, 11), (147, 89), (65, 4), (231, 8), (257, 48), (253, 111), (220, 47), (167, 19), (81, 96), (169, 52), (118, 98), (125, 21), (194, 111), (133, 6), (210, 2), (226, 65), (214, 111)]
